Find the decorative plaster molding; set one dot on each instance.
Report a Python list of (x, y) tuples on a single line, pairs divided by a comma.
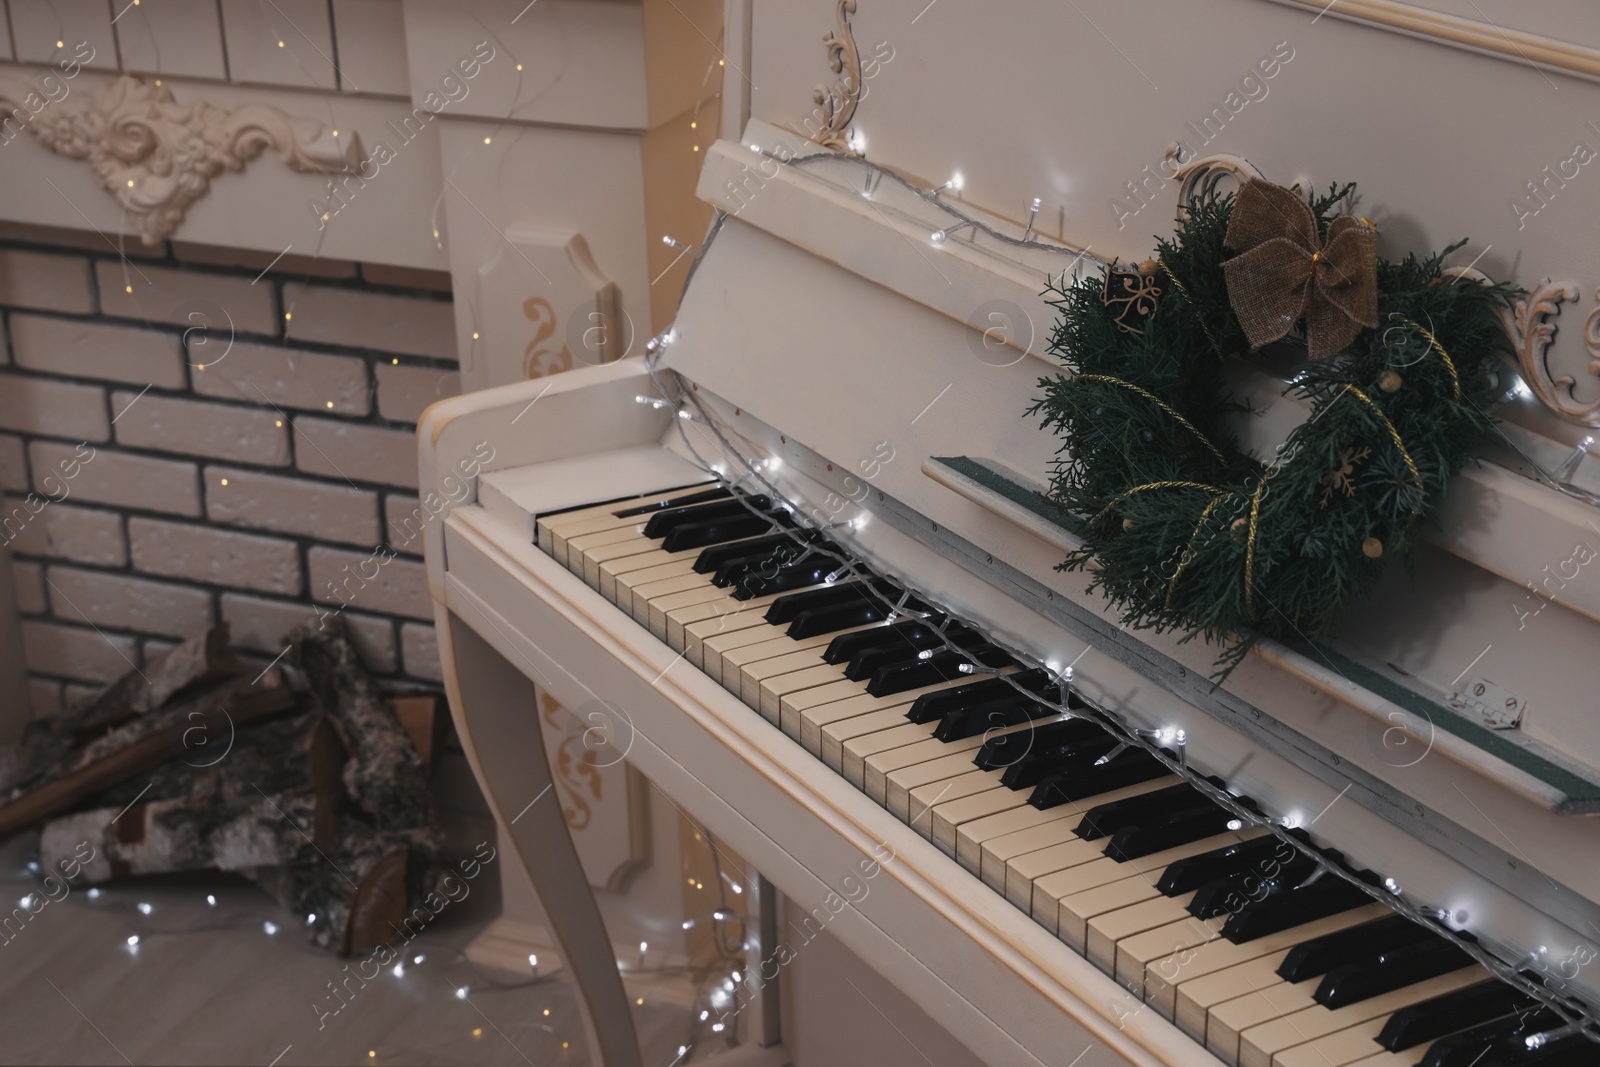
[(1532, 330), (1485, 38), (837, 102), (156, 156)]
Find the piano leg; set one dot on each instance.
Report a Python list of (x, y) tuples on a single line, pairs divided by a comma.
[(495, 716)]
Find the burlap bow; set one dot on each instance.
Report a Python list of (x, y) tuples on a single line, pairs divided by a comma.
[(1282, 273)]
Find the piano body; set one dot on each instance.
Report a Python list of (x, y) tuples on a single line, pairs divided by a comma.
[(851, 367)]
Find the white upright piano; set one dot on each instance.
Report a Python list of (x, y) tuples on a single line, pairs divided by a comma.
[(703, 544)]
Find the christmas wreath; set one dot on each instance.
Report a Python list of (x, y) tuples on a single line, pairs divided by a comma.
[(1185, 531)]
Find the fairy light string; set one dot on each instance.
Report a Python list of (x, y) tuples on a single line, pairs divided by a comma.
[(1576, 1015)]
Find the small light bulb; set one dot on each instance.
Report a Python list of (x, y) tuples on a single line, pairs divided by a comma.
[(335, 132), (736, 977), (133, 939), (533, 961), (688, 924), (130, 183), (287, 315), (694, 125), (737, 888), (644, 946), (640, 1001), (225, 481), (547, 1011), (926, 653), (486, 140), (270, 928), (519, 66), (145, 909), (1236, 824), (474, 335), (211, 899), (1392, 886), (398, 970), (94, 894), (418, 958), (127, 288), (461, 993), (61, 44), (311, 919), (716, 1028), (704, 1016), (330, 403), (26, 902)]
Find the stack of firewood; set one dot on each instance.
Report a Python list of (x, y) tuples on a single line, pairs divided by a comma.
[(307, 778)]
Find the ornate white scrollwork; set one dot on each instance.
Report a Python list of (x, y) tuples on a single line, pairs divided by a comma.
[(1532, 328), (156, 156), (837, 103)]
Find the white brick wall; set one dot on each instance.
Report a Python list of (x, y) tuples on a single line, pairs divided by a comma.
[(76, 651), (44, 281), (214, 431), (186, 298), (322, 510), (404, 391), (356, 452), (56, 409), (260, 625), (369, 581), (232, 493), (124, 480), (40, 527), (29, 579), (339, 316), (123, 603), (13, 463), (90, 350), (217, 557), (286, 377)]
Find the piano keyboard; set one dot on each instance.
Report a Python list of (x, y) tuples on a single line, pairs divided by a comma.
[(1218, 927)]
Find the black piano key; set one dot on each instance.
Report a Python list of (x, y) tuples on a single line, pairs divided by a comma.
[(943, 665), (931, 706), (715, 531), (997, 715), (1569, 1050), (704, 497), (1450, 1012), (668, 519), (1267, 878), (845, 647), (1057, 761), (711, 560), (814, 622), (855, 591), (1354, 944), (1129, 767), (1180, 828), (1328, 895), (1041, 746), (1395, 968), (1472, 1048), (906, 649), (1103, 820), (1223, 864)]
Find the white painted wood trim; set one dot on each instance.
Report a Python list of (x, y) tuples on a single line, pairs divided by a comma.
[(1516, 46)]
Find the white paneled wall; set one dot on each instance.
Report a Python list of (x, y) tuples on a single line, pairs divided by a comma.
[(47, 31), (177, 37), (360, 48)]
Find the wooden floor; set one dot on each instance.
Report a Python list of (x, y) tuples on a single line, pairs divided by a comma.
[(209, 985)]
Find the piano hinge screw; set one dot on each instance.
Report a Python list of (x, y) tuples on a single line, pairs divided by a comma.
[(935, 527), (988, 559), (1420, 813)]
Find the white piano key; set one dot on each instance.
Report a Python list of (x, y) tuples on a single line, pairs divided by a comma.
[(1060, 820), (1259, 1044), (1166, 975), (1257, 996)]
